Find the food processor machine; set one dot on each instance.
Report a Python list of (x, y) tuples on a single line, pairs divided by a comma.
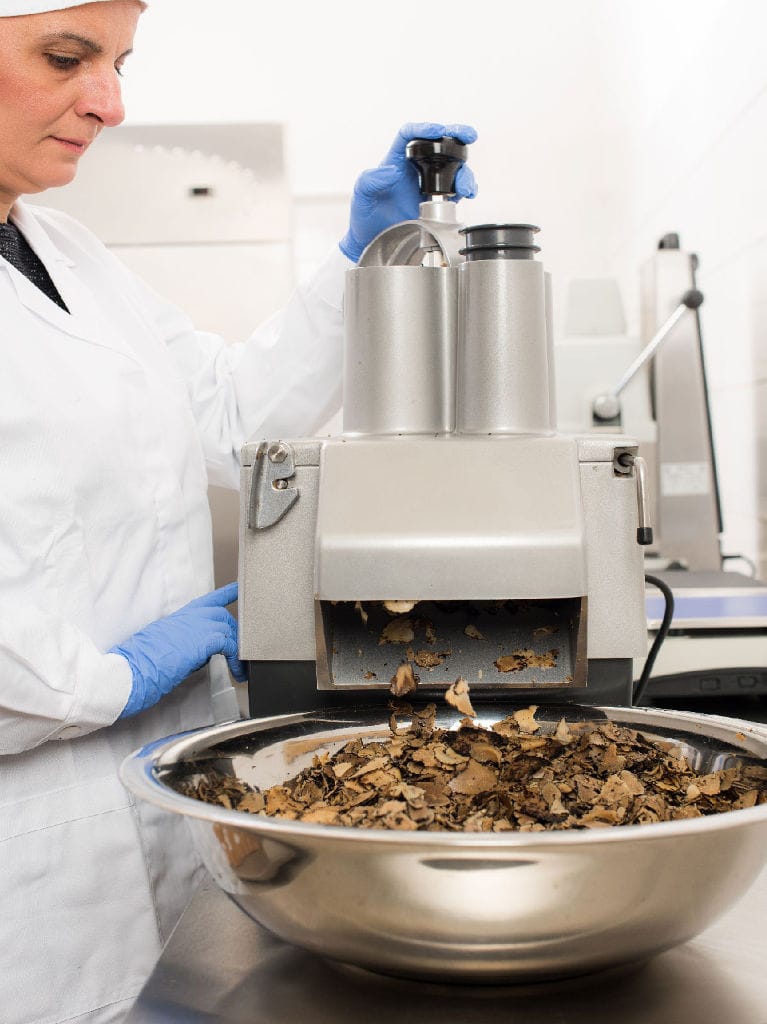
[(449, 527), (449, 532)]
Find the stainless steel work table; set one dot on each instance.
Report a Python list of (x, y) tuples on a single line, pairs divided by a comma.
[(218, 965)]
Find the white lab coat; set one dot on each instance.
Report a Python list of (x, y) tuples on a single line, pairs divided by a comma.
[(112, 420)]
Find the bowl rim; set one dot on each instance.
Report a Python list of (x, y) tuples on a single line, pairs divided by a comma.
[(137, 773)]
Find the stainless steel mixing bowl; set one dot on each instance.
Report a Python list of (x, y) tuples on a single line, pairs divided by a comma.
[(462, 906)]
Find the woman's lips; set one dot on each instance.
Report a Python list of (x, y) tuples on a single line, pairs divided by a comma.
[(73, 145)]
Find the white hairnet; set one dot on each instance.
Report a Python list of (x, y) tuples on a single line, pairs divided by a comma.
[(12, 8)]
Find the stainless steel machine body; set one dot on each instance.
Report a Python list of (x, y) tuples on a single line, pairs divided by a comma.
[(443, 520), (448, 489)]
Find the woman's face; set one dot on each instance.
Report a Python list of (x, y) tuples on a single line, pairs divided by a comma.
[(59, 86)]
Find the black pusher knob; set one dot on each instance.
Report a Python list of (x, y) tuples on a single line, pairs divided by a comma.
[(437, 162)]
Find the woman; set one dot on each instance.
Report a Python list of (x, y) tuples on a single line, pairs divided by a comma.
[(114, 416)]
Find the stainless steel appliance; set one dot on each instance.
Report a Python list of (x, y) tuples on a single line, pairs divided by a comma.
[(655, 388), (684, 479), (449, 498)]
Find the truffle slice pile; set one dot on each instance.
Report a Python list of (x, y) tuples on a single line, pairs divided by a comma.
[(510, 777)]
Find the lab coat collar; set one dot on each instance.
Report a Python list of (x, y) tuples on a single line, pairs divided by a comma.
[(83, 320), (41, 242)]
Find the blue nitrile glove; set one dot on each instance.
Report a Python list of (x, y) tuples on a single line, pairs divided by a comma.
[(164, 653), (389, 193)]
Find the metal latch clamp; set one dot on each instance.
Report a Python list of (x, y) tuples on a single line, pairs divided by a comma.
[(271, 496)]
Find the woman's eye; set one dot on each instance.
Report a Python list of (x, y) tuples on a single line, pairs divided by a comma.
[(61, 62)]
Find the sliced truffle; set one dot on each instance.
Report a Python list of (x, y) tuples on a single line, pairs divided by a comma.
[(525, 719), (473, 632), (427, 659), (475, 778), (404, 681), (458, 696), (517, 775), (399, 607), (398, 631)]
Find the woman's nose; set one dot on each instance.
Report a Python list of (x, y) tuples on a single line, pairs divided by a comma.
[(101, 97)]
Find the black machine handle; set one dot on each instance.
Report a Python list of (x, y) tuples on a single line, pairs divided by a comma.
[(437, 162)]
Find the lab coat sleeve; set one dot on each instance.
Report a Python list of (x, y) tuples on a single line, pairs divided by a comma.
[(56, 684), (284, 381)]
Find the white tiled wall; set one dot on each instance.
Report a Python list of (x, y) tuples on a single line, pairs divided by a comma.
[(699, 167)]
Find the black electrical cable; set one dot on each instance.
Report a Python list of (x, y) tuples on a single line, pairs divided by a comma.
[(660, 636)]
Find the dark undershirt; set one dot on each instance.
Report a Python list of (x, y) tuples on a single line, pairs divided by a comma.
[(16, 249)]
